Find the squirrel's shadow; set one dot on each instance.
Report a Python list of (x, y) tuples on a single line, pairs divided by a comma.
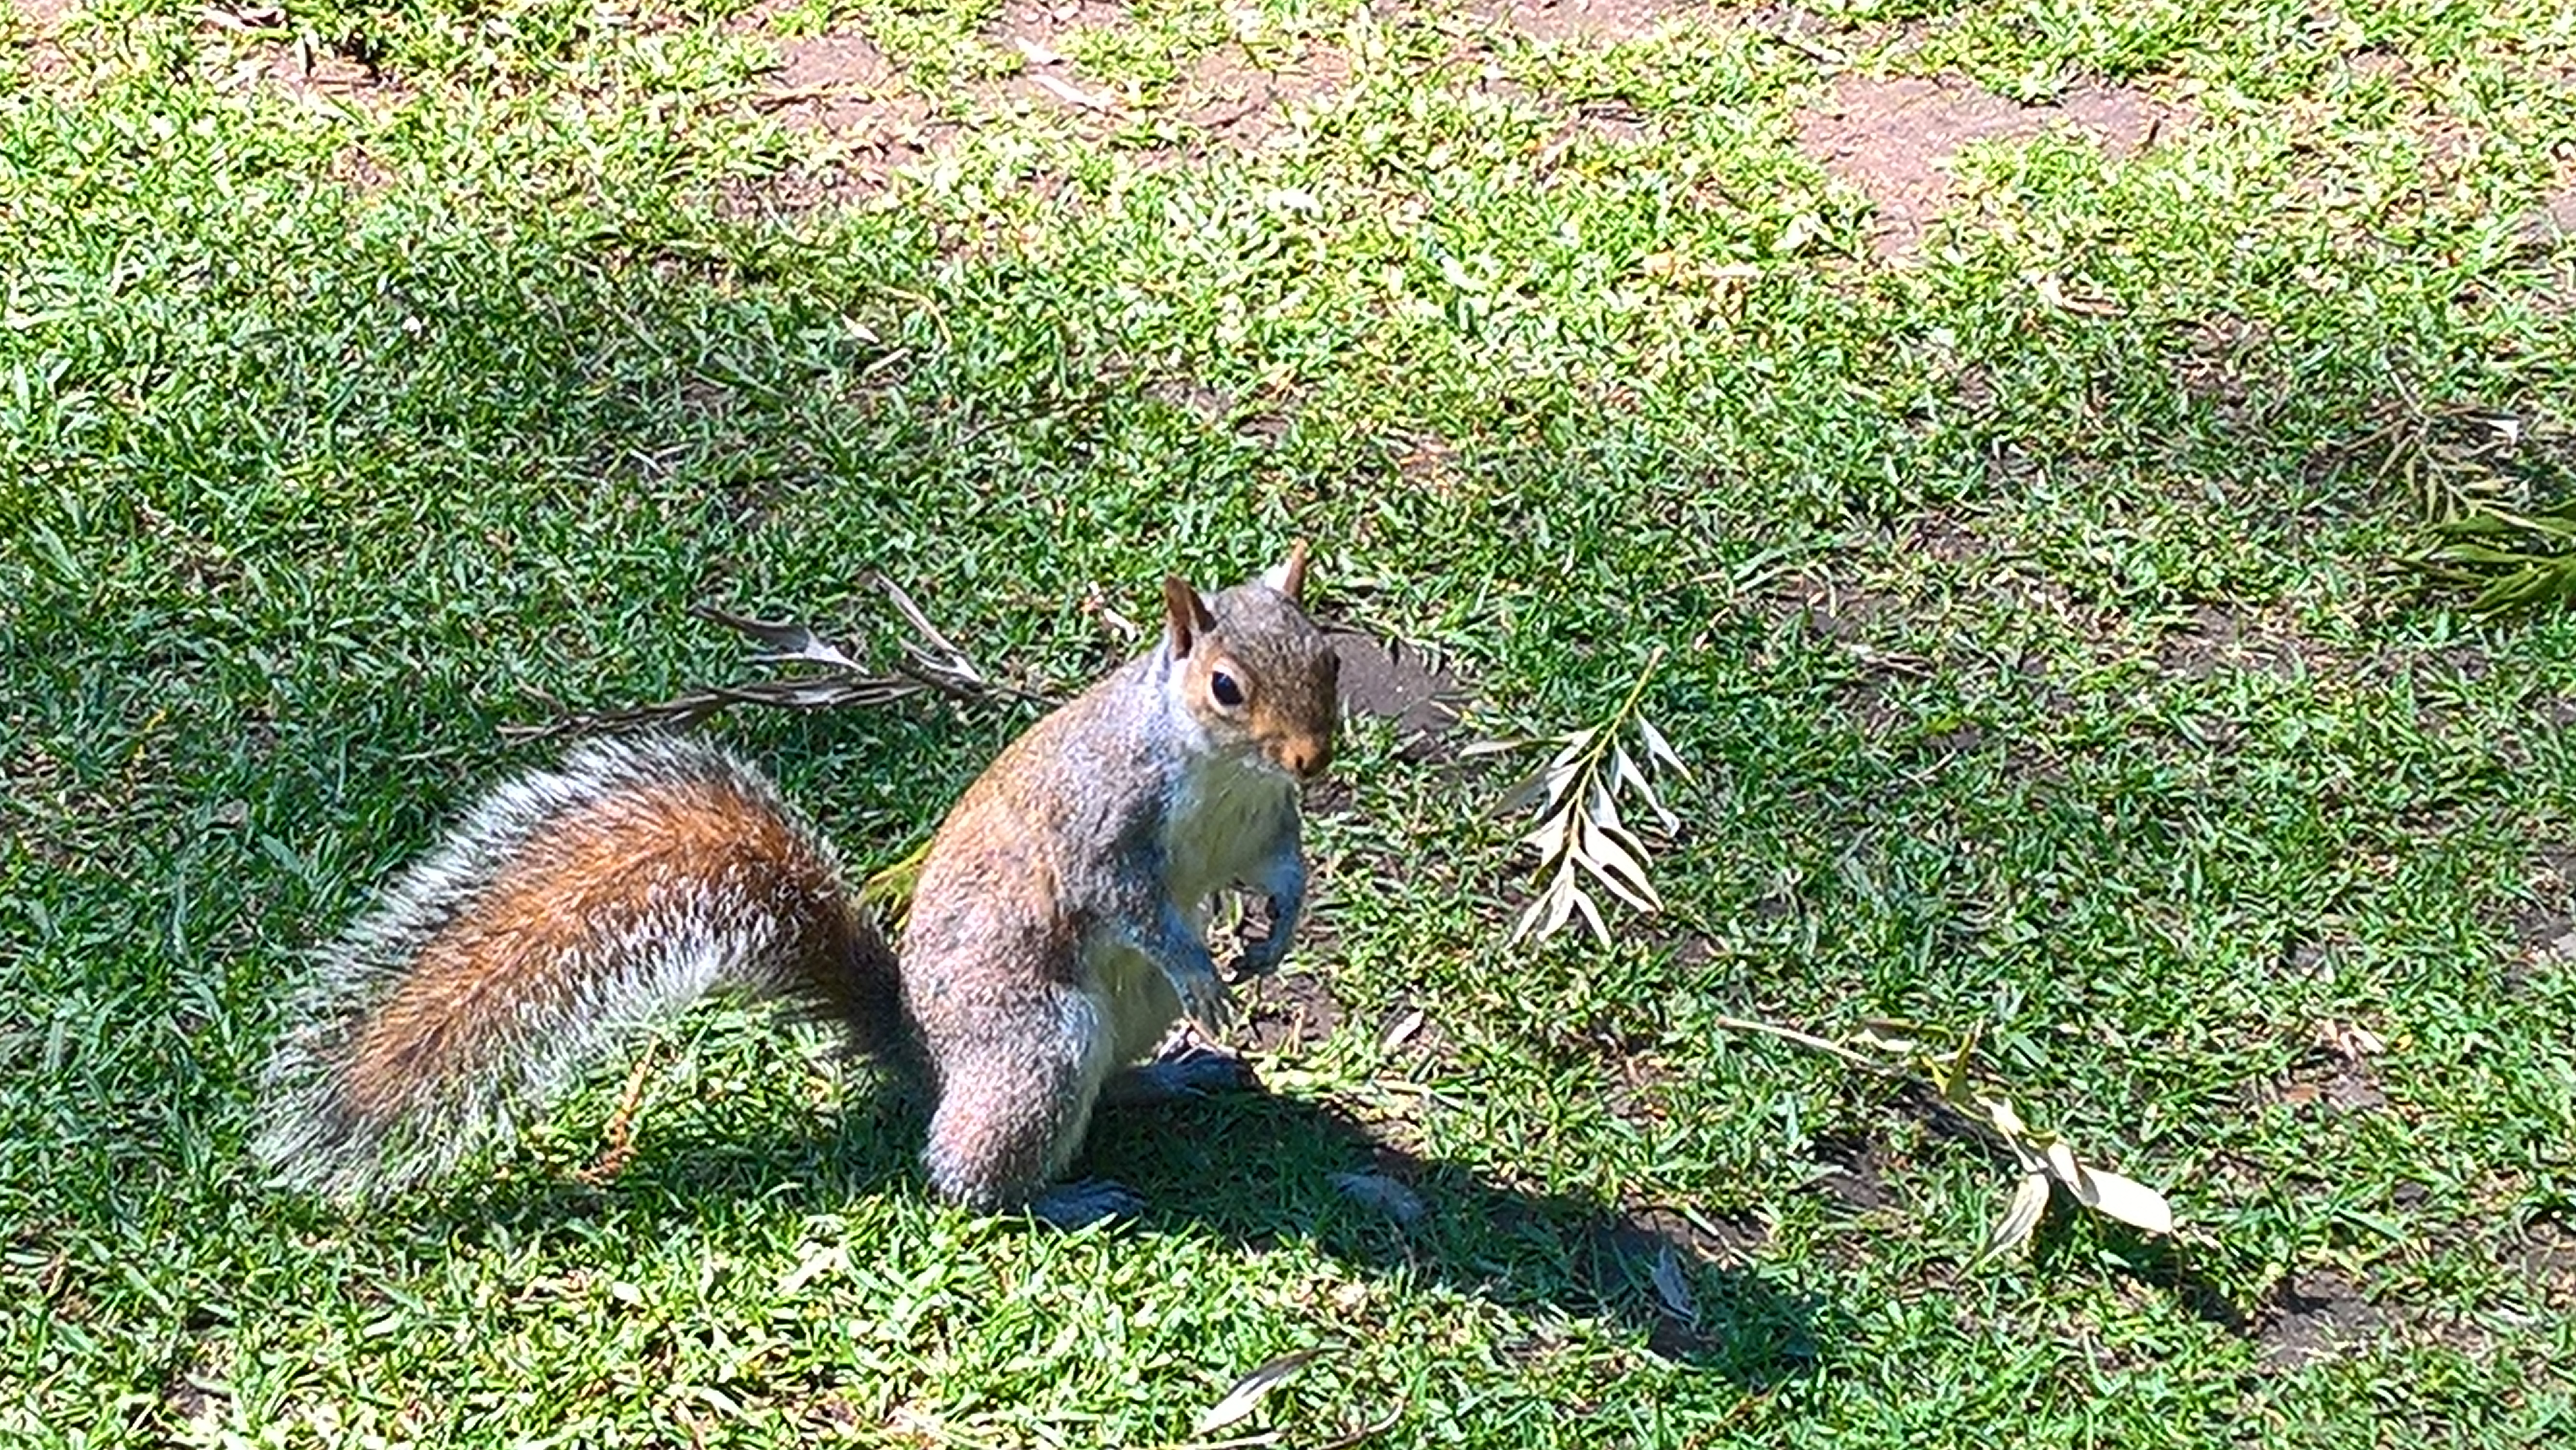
[(1261, 1169)]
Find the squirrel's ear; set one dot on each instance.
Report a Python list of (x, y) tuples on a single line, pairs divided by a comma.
[(1288, 576), (1185, 616)]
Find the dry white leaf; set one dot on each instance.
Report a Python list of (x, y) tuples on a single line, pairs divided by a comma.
[(1072, 94), (1887, 1035), (2020, 1220), (2350, 1041), (1658, 748), (2061, 1162), (1402, 1032), (1591, 912), (1249, 1391), (2130, 1201)]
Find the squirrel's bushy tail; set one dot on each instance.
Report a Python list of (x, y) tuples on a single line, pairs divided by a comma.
[(572, 904)]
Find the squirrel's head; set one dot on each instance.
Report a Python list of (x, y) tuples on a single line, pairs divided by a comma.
[(1254, 671)]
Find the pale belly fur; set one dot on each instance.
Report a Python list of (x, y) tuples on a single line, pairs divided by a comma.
[(1217, 836)]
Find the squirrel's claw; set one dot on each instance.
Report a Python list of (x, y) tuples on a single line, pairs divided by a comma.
[(1260, 956), (1205, 1001)]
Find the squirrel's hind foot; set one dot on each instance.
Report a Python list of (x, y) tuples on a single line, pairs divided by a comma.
[(1080, 1205)]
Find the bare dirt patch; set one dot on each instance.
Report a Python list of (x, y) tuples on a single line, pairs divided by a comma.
[(1402, 683), (2311, 1316), (319, 75), (2218, 641), (844, 89), (1230, 94), (1948, 538), (2337, 1073), (841, 85), (1231, 98), (836, 77), (357, 168), (2545, 925), (1894, 139), (39, 27), (1291, 1010), (2553, 220), (2560, 208), (1584, 19), (1856, 1172), (2217, 364), (2547, 1251), (257, 52)]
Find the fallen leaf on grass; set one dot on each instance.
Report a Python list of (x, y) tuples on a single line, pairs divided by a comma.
[(2020, 1220), (1402, 1032), (2129, 1201), (1249, 1391), (1073, 95)]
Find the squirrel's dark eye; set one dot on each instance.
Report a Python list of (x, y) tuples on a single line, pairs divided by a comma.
[(1227, 692)]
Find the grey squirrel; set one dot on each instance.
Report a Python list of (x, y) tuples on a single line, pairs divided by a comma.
[(1056, 931)]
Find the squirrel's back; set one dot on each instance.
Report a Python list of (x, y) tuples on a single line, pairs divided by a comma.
[(572, 904)]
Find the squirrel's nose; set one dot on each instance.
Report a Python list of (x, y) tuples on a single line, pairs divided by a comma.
[(1306, 759)]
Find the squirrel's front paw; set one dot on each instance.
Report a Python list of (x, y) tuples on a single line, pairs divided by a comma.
[(1205, 1001), (1260, 956)]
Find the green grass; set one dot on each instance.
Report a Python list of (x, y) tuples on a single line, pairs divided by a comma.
[(2043, 668)]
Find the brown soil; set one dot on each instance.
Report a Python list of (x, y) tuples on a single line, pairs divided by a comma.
[(314, 74), (1233, 100), (1948, 538), (2547, 1251), (2224, 641), (2312, 1315), (1226, 97), (1894, 139), (2215, 363), (1859, 1178), (1291, 1010), (2337, 1073), (835, 79), (1583, 19), (44, 19), (1400, 682), (842, 86), (356, 168), (39, 26)]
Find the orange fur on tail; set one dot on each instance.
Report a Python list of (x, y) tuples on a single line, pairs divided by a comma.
[(570, 904)]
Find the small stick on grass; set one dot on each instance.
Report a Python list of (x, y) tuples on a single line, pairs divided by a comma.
[(612, 1160)]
